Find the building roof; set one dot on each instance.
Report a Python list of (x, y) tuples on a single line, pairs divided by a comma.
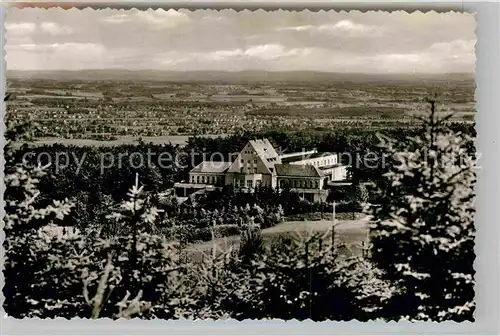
[(297, 170), (293, 155), (265, 151), (213, 167), (264, 148), (306, 156)]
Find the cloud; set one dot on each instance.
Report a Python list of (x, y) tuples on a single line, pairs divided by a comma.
[(342, 27), (117, 18), (59, 47), (54, 28), (217, 19), (439, 57), (261, 52), (158, 19), (20, 28), (29, 28), (453, 47), (229, 40), (49, 56)]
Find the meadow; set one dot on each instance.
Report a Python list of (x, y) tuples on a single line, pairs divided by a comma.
[(350, 237)]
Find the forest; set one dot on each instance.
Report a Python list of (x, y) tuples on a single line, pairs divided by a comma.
[(88, 243)]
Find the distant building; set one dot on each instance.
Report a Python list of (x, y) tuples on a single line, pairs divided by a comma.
[(258, 164)]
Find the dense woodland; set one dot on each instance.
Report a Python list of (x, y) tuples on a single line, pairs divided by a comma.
[(97, 176), (127, 256)]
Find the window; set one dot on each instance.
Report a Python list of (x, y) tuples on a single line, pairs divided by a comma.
[(242, 161), (192, 179), (249, 184), (255, 170), (282, 183), (248, 161), (255, 161), (197, 179), (316, 184)]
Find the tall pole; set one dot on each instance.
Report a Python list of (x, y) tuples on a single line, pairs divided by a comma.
[(333, 226), (333, 213)]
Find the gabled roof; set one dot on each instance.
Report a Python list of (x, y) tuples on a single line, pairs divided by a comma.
[(264, 148), (211, 167), (265, 151), (297, 170)]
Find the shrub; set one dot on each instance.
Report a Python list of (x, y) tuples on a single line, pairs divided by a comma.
[(300, 280)]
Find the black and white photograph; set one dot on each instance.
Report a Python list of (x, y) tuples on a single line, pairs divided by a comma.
[(266, 165)]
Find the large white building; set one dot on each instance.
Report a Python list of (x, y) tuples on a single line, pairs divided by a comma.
[(258, 164)]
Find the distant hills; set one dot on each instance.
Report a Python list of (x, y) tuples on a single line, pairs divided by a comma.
[(231, 77)]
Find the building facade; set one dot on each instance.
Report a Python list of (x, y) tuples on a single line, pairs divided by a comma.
[(259, 164)]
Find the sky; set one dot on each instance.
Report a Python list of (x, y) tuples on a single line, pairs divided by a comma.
[(372, 42)]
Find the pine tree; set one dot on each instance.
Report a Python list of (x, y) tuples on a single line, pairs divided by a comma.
[(423, 231), (25, 222)]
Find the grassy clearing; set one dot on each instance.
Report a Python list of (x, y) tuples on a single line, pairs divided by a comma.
[(351, 233)]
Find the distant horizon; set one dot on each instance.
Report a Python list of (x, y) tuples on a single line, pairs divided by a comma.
[(249, 70), (180, 40)]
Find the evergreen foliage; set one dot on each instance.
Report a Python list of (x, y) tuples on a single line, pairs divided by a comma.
[(423, 232)]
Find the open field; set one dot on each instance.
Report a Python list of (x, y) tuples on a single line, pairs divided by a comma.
[(351, 233), (162, 111), (179, 140)]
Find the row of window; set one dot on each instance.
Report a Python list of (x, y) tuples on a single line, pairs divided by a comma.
[(248, 170), (206, 179), (249, 184), (249, 161), (293, 183), (324, 162)]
